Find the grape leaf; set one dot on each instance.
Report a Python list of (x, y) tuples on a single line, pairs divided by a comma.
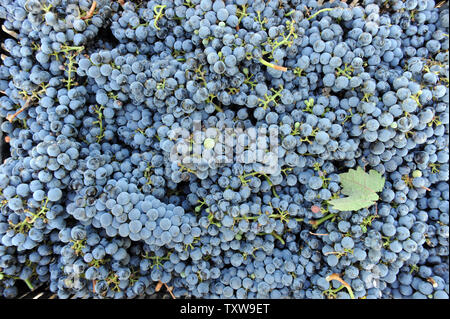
[(361, 189)]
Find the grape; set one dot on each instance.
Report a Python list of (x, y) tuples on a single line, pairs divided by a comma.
[(315, 182), (54, 194), (347, 242), (322, 138), (332, 260)]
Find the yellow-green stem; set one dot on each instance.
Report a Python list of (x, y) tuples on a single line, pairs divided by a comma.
[(318, 12)]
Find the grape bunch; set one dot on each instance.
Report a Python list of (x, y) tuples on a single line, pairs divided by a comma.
[(196, 147)]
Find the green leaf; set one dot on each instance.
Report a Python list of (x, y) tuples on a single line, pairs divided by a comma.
[(361, 189)]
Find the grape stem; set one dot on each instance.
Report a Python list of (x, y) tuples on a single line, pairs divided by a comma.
[(169, 289), (158, 10), (274, 235), (345, 284), (273, 66), (316, 234), (318, 12), (90, 13), (158, 286), (316, 223), (11, 117), (10, 32)]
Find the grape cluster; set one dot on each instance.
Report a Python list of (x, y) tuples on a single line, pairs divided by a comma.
[(97, 98)]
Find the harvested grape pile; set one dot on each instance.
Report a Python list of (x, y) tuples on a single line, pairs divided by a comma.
[(225, 149)]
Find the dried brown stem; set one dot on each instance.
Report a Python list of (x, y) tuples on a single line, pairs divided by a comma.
[(10, 32), (433, 282), (316, 234), (338, 278), (332, 253), (169, 289), (11, 117), (90, 13), (158, 286)]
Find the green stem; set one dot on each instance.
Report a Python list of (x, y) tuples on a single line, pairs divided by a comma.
[(273, 66), (274, 235), (316, 223), (278, 237), (158, 10), (332, 291), (274, 192), (289, 13), (66, 49), (350, 292), (318, 12), (246, 218), (28, 282)]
